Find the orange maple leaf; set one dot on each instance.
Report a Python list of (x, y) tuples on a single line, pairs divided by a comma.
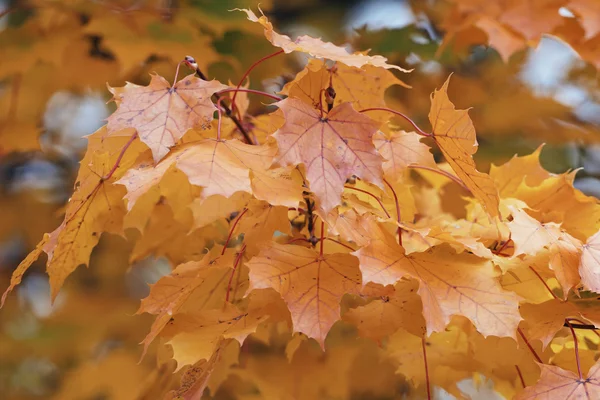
[(454, 133), (450, 284), (204, 279), (363, 87), (162, 113), (332, 147), (312, 285)]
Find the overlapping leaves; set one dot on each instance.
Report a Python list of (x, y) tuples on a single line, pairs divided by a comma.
[(327, 209)]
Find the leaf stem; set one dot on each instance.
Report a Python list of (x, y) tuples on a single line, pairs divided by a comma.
[(538, 359), (340, 243), (424, 345), (190, 62), (442, 172), (499, 251), (543, 281), (372, 195), (419, 130), (235, 265), (322, 237), (271, 96), (219, 106), (119, 158), (397, 210), (298, 239), (232, 229), (520, 376), (254, 65), (576, 343), (177, 71)]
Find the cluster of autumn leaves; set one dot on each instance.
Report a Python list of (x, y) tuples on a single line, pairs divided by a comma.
[(331, 198), (512, 25)]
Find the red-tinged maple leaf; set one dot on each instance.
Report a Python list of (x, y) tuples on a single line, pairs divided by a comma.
[(449, 284), (589, 266), (557, 383), (316, 47), (162, 113), (332, 147), (312, 285), (454, 133)]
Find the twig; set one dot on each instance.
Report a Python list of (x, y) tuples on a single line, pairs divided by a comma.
[(191, 62)]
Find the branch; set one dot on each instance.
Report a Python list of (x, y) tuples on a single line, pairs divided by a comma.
[(191, 62)]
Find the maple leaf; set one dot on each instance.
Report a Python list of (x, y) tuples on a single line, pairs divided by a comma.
[(95, 207), (557, 383), (384, 316), (530, 237), (312, 285), (204, 280), (454, 133), (363, 87), (220, 167), (195, 379), (316, 47), (503, 39), (278, 186), (401, 149), (196, 335), (589, 266), (161, 113), (264, 220), (543, 321), (448, 364), (449, 284), (332, 148)]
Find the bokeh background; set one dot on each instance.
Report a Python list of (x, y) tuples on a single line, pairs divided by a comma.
[(56, 57)]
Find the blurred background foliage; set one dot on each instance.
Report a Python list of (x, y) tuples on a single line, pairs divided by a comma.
[(56, 57)]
